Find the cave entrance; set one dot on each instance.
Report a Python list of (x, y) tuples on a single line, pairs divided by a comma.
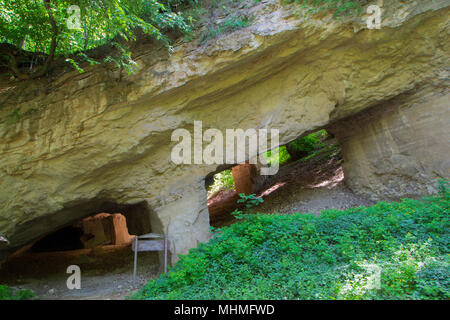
[(224, 186), (99, 230), (107, 224), (99, 242), (65, 239), (221, 195), (311, 161), (310, 179)]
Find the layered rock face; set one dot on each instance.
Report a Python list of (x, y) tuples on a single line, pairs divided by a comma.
[(87, 140), (398, 149)]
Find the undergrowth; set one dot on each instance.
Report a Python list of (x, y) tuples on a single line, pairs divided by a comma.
[(339, 8), (6, 293), (395, 250), (304, 148), (230, 24), (203, 14), (222, 181), (278, 155)]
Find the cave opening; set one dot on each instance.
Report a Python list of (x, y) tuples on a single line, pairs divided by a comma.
[(65, 239), (107, 223), (310, 179), (94, 231), (98, 241)]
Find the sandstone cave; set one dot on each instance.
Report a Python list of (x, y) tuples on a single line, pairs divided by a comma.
[(65, 239), (97, 243), (355, 91), (310, 171)]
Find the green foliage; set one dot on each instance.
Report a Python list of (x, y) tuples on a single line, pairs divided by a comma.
[(338, 7), (230, 24), (331, 151), (304, 147), (251, 201), (302, 256), (309, 143), (40, 27), (203, 17), (222, 181), (278, 155), (7, 293), (444, 188)]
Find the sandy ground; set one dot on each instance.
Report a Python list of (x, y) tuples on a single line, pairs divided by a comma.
[(104, 276), (294, 192), (302, 186)]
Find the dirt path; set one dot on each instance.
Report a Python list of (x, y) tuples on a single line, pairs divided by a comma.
[(295, 192), (307, 186)]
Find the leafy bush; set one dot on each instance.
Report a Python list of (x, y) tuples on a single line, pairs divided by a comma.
[(222, 181), (278, 155), (250, 201), (7, 293), (306, 145), (386, 251), (34, 33), (296, 149), (331, 151)]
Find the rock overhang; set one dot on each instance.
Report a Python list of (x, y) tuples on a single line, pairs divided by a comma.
[(92, 138)]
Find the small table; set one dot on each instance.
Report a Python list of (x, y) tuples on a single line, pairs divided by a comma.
[(152, 242)]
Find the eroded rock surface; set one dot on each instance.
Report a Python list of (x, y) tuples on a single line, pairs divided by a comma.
[(398, 149), (86, 139)]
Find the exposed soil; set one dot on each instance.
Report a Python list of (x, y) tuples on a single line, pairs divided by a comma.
[(310, 187)]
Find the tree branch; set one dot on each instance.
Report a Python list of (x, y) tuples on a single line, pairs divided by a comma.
[(53, 45), (10, 51)]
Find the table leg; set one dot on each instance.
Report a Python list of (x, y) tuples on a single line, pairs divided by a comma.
[(165, 254), (136, 248)]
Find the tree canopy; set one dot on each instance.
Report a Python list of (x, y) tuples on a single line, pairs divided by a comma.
[(34, 32)]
